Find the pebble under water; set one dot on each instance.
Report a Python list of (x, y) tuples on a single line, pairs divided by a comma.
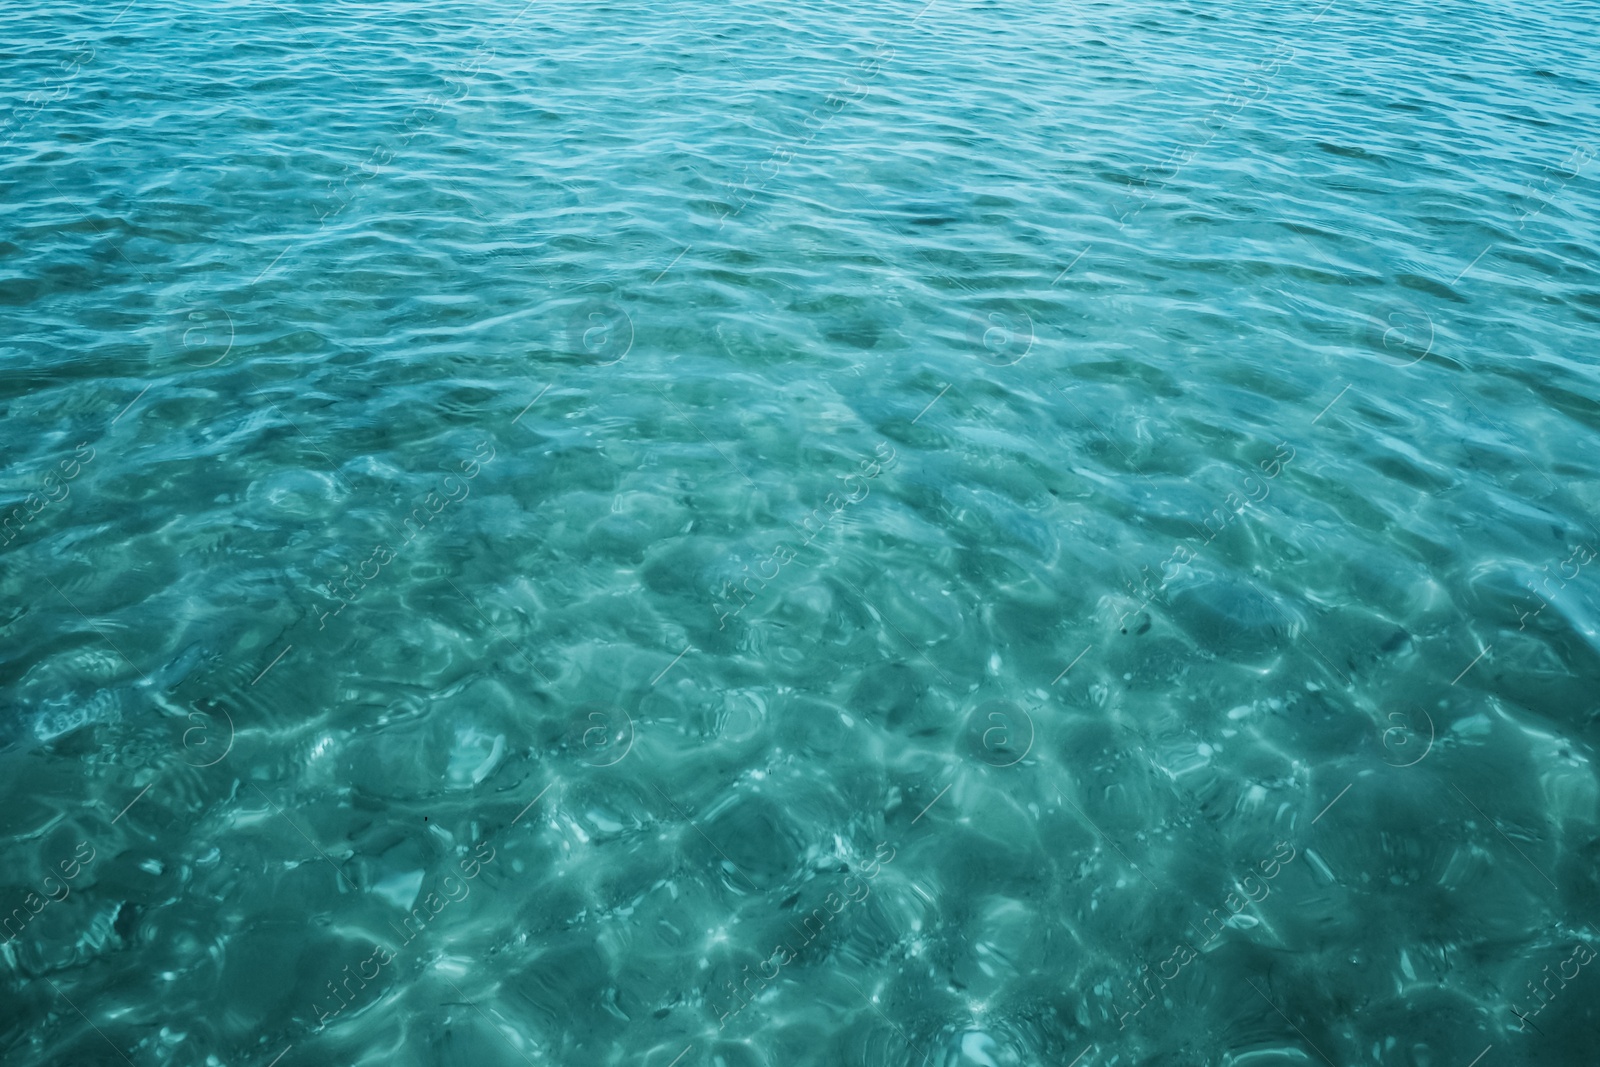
[(966, 534)]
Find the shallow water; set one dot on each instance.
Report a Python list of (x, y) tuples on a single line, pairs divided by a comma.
[(732, 534)]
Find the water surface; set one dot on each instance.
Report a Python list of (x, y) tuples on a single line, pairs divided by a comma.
[(969, 533)]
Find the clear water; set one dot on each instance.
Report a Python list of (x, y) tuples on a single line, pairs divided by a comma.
[(736, 534)]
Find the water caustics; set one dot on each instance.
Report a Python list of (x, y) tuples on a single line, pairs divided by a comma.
[(697, 534)]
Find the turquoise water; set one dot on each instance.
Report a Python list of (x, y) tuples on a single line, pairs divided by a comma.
[(698, 534)]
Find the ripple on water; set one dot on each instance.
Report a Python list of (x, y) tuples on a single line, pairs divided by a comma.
[(1086, 273)]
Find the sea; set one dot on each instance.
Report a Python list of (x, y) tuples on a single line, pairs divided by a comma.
[(965, 533)]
